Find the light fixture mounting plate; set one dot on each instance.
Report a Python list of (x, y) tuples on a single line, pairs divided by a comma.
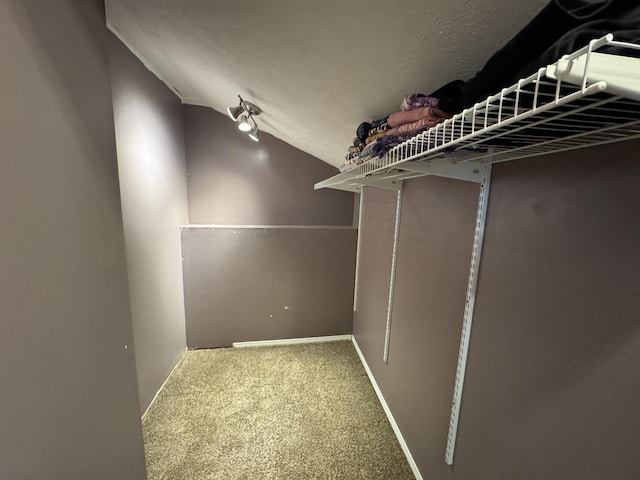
[(252, 108)]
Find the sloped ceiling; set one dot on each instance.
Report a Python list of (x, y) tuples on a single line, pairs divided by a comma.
[(316, 68)]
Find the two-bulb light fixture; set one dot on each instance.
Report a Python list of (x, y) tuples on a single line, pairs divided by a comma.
[(243, 115)]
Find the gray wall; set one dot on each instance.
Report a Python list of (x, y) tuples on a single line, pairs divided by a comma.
[(238, 281), (267, 283), (68, 396), (551, 388), (150, 144), (376, 231), (233, 180)]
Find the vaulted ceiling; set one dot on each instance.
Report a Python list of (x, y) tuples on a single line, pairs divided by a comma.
[(316, 68)]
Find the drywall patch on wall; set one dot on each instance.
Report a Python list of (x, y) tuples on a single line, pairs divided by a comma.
[(260, 284)]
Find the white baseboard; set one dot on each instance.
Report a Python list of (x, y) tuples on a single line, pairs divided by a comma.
[(291, 341), (175, 367), (385, 407)]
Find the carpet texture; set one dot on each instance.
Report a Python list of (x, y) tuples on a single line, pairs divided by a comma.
[(284, 413)]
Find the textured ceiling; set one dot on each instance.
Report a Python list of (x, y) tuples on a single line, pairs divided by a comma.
[(316, 68)]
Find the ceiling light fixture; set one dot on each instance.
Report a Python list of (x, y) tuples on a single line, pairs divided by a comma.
[(243, 115)]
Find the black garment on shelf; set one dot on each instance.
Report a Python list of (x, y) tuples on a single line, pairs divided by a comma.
[(562, 27), (625, 28), (362, 131), (583, 9), (450, 96)]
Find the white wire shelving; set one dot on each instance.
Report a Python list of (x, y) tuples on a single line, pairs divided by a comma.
[(584, 99)]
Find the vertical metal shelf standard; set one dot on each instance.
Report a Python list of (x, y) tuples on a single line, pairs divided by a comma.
[(357, 275), (474, 271), (392, 280)]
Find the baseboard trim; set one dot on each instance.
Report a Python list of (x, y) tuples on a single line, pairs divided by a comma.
[(166, 380), (291, 341), (385, 407), (213, 226)]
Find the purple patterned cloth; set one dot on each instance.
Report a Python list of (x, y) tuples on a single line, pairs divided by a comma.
[(368, 150), (384, 144), (417, 100)]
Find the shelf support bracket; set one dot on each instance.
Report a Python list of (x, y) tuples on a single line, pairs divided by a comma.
[(467, 320), (392, 279), (346, 187), (388, 184), (470, 171)]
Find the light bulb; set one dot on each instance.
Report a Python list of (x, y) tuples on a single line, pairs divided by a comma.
[(244, 125)]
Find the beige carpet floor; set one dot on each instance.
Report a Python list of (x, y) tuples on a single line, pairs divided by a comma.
[(297, 412)]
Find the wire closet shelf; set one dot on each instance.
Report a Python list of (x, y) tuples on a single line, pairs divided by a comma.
[(586, 98)]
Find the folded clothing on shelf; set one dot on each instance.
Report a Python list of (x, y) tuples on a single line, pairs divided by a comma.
[(365, 128), (381, 128), (417, 100), (354, 162), (368, 150), (417, 112), (375, 136), (386, 133), (428, 114), (384, 144), (408, 129)]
